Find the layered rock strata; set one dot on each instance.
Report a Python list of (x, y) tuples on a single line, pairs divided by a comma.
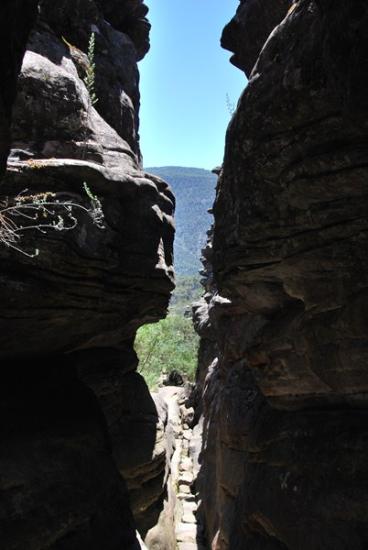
[(285, 397), (76, 418)]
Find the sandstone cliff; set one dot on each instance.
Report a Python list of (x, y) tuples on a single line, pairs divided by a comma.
[(76, 419), (284, 378)]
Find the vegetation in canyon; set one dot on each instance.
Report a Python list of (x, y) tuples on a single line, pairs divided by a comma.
[(171, 344)]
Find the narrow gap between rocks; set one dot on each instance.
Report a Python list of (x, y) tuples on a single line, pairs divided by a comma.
[(168, 358), (168, 349)]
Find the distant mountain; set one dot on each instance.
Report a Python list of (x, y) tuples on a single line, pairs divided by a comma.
[(194, 189)]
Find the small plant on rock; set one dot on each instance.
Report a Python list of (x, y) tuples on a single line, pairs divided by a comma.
[(230, 105), (90, 77), (42, 212), (95, 211)]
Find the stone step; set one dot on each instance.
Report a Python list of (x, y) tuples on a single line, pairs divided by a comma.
[(189, 506), (186, 464), (186, 478), (186, 532), (184, 489), (188, 517), (188, 497), (187, 546)]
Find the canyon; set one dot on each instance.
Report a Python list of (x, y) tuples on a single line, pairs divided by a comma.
[(267, 450)]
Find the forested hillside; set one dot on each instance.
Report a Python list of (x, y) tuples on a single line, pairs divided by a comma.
[(194, 189), (172, 344)]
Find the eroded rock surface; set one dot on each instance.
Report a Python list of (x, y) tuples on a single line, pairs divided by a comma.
[(247, 32), (285, 397), (16, 20), (76, 417)]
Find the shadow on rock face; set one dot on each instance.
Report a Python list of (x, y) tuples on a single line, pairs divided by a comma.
[(16, 19), (345, 51), (135, 425), (82, 448), (59, 485)]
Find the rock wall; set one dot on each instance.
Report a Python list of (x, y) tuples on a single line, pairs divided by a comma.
[(285, 395), (17, 18), (76, 418)]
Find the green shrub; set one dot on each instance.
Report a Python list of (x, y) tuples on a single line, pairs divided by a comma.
[(188, 290), (166, 346)]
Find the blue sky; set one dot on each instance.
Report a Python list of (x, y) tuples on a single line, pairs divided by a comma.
[(184, 82)]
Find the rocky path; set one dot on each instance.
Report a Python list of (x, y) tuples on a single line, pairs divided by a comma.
[(184, 469)]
